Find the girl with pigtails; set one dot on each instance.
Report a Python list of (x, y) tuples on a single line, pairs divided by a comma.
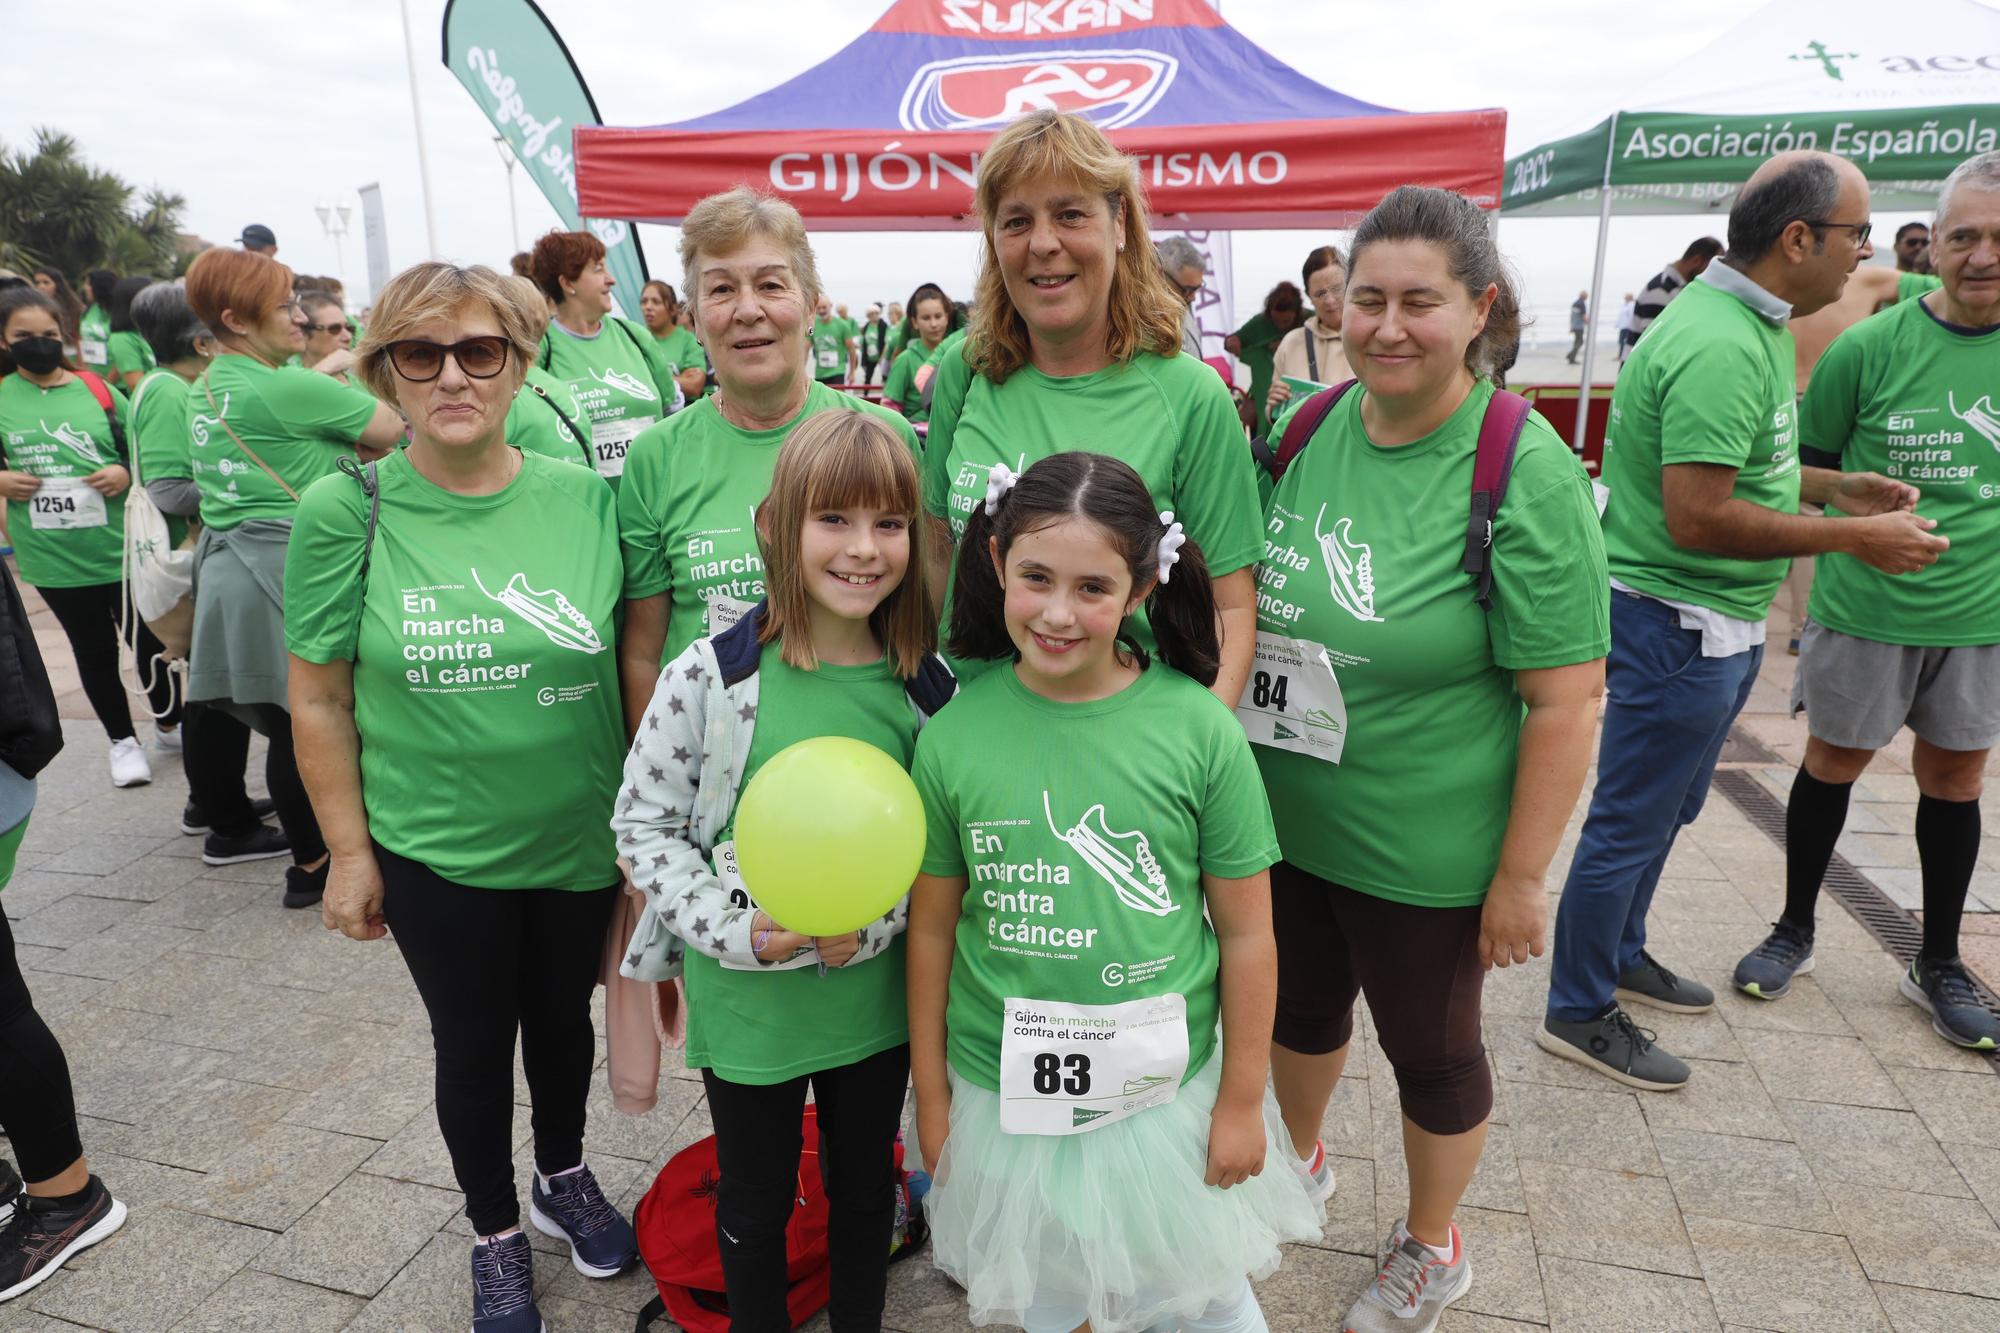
[(1089, 1051)]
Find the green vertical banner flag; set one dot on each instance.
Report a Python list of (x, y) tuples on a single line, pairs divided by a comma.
[(510, 58)]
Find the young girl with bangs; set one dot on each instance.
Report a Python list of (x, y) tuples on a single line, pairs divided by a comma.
[(840, 647), (1099, 1149)]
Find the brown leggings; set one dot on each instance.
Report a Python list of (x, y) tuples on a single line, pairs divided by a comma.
[(1419, 968)]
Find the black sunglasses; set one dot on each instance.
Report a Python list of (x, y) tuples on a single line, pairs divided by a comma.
[(421, 362), (323, 328), (1861, 230)]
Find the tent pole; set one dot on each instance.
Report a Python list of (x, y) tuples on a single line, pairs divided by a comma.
[(1596, 290)]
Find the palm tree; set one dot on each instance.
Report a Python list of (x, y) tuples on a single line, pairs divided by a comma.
[(57, 209)]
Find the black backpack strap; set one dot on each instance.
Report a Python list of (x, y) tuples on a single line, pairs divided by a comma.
[(1492, 466), (582, 440), (370, 487), (548, 348), (650, 1311), (1298, 431)]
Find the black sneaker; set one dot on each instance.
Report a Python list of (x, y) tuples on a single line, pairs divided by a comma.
[(1652, 984), (303, 888), (1767, 970), (1615, 1047), (194, 819), (10, 1189), (43, 1233), (503, 1287), (260, 844), (1945, 992)]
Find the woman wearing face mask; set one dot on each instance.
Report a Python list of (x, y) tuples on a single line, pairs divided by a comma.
[(216, 744), (616, 368), (63, 463), (661, 308), (261, 431), (692, 561), (1312, 351), (1075, 342)]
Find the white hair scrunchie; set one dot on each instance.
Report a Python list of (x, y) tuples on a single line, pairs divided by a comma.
[(1171, 542), (1000, 479)]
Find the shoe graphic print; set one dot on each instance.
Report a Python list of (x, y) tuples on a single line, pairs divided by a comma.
[(76, 440), (1982, 416), (1350, 566), (1125, 861), (619, 380), (550, 612)]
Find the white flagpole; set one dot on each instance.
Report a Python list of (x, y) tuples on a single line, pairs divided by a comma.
[(417, 115)]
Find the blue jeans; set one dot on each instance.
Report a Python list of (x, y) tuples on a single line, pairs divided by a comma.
[(1668, 713)]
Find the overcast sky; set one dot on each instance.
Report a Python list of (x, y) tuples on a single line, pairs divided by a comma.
[(256, 110)]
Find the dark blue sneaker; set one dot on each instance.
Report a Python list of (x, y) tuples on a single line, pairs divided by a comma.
[(1944, 991), (1767, 970), (572, 1208), (503, 1287)]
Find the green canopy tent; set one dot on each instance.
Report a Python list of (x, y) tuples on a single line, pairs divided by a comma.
[(1906, 100)]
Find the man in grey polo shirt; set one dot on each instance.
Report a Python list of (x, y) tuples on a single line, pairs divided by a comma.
[(1909, 392), (1701, 463)]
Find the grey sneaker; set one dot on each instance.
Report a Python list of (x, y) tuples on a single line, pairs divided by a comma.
[(1316, 1175), (1767, 970), (1652, 984), (1412, 1287), (1945, 992), (1615, 1047)]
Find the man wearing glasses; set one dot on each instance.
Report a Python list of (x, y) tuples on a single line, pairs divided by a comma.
[(1185, 269), (1702, 470)]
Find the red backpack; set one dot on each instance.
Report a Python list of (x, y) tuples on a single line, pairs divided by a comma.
[(675, 1222), (1499, 434)]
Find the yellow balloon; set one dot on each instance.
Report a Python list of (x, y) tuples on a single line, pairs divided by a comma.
[(829, 835)]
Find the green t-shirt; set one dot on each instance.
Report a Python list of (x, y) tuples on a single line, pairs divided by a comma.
[(485, 666), (160, 436), (1259, 338), (94, 339), (129, 354), (1083, 830), (1362, 556), (1711, 382), (871, 340), (768, 1026), (681, 350), (65, 535), (299, 422), (1909, 286), (537, 424), (1907, 396), (899, 336), (1170, 418), (620, 380), (688, 520), (901, 384), (944, 348), (829, 350)]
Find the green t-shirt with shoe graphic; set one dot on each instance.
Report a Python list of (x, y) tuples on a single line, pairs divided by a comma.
[(1169, 418), (770, 1025), (65, 535), (299, 422), (1083, 831), (1362, 557), (687, 511), (620, 380), (1711, 382), (484, 643), (681, 350), (537, 423), (829, 350), (1912, 398)]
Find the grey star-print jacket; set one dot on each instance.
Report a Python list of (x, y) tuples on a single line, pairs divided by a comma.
[(680, 786)]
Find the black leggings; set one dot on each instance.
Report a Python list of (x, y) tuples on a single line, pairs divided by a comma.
[(757, 1148), (489, 962), (89, 616), (281, 777), (37, 1106), (1419, 967), (215, 747)]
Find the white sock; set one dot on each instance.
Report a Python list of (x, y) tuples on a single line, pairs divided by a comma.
[(1448, 1254), (546, 1179)]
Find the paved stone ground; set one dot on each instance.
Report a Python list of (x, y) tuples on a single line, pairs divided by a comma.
[(259, 1092)]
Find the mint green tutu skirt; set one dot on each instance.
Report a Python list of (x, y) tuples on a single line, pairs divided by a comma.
[(1115, 1223)]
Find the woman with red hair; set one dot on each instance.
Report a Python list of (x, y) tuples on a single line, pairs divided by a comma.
[(259, 432), (618, 371)]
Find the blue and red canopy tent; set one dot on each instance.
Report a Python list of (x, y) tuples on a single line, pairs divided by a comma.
[(886, 134)]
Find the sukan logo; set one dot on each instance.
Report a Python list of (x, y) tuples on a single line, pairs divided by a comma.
[(1111, 88)]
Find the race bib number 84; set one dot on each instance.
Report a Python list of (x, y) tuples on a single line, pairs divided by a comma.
[(1070, 1068), (1292, 700)]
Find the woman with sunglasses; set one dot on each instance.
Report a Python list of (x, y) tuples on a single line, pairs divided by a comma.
[(259, 432), (453, 629), (329, 345)]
